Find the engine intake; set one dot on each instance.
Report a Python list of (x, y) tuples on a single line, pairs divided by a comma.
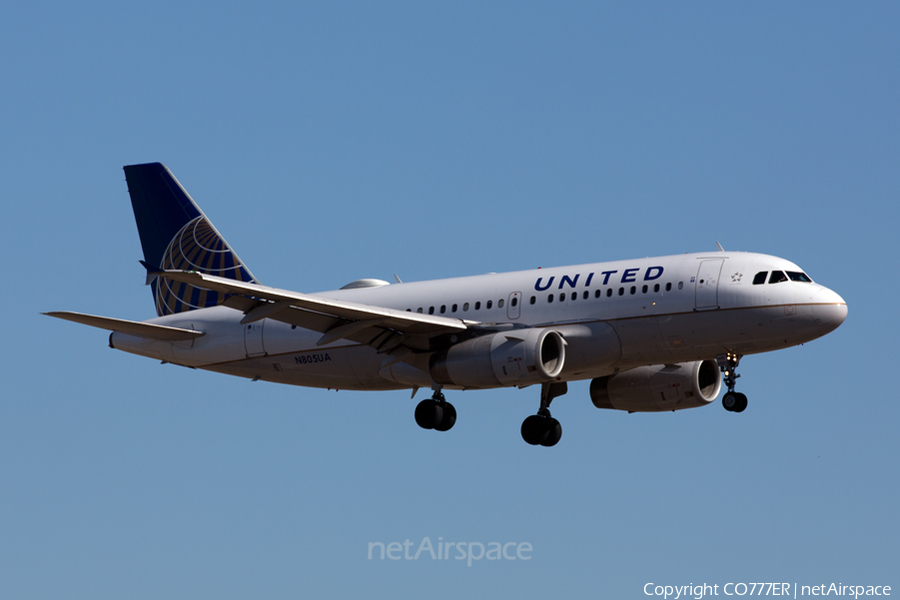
[(659, 387), (518, 357)]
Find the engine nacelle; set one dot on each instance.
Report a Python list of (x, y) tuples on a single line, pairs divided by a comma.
[(517, 357), (659, 387)]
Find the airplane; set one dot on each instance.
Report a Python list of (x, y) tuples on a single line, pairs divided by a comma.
[(652, 334)]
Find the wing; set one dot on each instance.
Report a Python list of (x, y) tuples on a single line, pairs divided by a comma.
[(135, 328), (383, 328)]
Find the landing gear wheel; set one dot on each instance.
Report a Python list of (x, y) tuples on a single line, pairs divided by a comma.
[(429, 414), (435, 412), (448, 419), (533, 430), (553, 434), (542, 429), (734, 401), (729, 401)]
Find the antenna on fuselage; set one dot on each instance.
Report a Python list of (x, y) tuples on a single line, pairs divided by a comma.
[(719, 246)]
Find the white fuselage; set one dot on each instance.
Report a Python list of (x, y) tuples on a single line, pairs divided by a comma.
[(614, 316)]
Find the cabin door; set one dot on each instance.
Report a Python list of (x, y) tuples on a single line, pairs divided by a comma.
[(707, 284)]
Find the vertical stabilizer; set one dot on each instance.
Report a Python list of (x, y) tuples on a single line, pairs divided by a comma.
[(175, 234)]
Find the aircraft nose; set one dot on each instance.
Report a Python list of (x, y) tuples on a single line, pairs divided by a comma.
[(829, 308)]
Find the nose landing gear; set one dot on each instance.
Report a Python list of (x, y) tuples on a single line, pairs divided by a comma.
[(542, 429), (732, 401)]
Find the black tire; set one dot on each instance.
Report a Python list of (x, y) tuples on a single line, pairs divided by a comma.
[(448, 419), (534, 430), (741, 403), (428, 414), (730, 401), (554, 433)]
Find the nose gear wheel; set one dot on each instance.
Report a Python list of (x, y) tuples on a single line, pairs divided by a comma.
[(732, 401)]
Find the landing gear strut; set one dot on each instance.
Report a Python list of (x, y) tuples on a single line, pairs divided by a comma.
[(436, 413), (732, 401), (542, 429)]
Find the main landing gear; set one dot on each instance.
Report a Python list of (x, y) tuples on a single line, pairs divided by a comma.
[(435, 412), (542, 429), (538, 430), (732, 401)]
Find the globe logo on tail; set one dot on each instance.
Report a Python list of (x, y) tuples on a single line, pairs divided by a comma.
[(196, 247)]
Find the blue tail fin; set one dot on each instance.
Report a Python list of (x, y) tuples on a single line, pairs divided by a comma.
[(175, 234)]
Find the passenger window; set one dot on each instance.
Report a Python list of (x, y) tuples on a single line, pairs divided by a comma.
[(430, 310), (550, 298), (609, 293), (478, 305), (514, 302), (587, 294), (795, 276), (633, 290), (500, 303), (621, 291), (418, 310), (574, 295), (644, 290), (453, 308), (680, 284), (760, 278), (465, 307), (489, 304), (656, 288), (777, 277), (443, 308), (597, 294), (533, 299), (669, 287)]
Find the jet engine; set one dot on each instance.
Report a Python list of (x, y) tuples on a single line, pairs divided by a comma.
[(659, 387), (517, 357)]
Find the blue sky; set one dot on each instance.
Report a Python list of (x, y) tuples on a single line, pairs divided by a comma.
[(334, 141)]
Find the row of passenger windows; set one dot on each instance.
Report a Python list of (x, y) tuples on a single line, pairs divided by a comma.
[(514, 301), (609, 292), (455, 307), (779, 276)]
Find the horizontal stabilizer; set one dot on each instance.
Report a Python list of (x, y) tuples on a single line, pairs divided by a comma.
[(152, 272), (135, 328)]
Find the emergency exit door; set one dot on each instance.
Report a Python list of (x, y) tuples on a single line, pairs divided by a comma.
[(253, 339)]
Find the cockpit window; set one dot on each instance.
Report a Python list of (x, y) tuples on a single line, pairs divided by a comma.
[(760, 278), (777, 277), (795, 276)]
